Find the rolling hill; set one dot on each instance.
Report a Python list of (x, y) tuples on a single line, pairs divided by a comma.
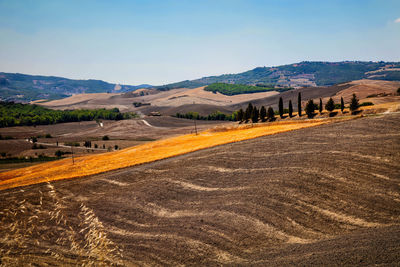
[(25, 88), (303, 74)]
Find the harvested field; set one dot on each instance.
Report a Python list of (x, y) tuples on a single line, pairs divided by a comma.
[(325, 195), (88, 165)]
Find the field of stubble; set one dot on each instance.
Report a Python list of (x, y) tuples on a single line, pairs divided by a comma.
[(328, 194)]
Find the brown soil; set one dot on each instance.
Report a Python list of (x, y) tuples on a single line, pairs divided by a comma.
[(327, 195), (125, 133)]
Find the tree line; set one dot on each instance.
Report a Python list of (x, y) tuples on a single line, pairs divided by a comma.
[(253, 114), (217, 115), (17, 114)]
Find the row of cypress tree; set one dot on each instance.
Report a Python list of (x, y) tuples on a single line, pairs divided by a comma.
[(254, 114)]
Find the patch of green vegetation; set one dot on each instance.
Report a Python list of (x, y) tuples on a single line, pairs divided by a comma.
[(366, 104), (215, 116), (236, 89), (144, 139), (16, 114), (71, 144), (40, 158)]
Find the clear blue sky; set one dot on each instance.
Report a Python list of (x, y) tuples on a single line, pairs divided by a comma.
[(158, 42)]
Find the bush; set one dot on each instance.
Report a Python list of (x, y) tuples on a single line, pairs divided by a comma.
[(58, 153), (35, 146), (366, 104), (96, 146), (48, 135), (330, 105), (116, 147), (310, 107), (398, 91), (105, 138), (87, 144)]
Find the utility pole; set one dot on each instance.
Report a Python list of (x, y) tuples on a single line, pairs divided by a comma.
[(194, 120), (72, 151), (195, 128)]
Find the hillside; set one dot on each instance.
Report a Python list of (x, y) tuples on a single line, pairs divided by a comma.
[(302, 74), (22, 87)]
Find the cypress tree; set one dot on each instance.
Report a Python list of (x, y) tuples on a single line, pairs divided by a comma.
[(280, 107), (254, 115), (271, 114), (354, 104), (290, 109), (299, 104), (330, 105), (320, 106), (341, 104), (263, 113), (240, 115), (249, 111), (310, 107)]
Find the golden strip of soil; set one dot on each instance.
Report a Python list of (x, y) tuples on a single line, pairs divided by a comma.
[(94, 164)]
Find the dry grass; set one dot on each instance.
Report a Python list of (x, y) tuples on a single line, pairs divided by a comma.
[(89, 165), (27, 223)]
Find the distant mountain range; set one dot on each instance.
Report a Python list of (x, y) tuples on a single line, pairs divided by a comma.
[(22, 87), (303, 74)]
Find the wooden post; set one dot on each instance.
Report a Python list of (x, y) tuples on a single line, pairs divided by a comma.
[(72, 151)]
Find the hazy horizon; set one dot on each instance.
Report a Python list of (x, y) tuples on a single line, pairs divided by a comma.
[(160, 42)]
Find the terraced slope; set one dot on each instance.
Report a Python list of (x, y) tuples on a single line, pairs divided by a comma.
[(324, 195)]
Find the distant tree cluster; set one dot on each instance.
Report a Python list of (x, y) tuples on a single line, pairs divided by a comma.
[(235, 89), (215, 116), (16, 114)]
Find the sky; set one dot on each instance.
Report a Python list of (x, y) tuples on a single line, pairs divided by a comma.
[(159, 42)]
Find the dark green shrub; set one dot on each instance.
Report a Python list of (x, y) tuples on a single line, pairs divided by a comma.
[(105, 138), (330, 105), (364, 104), (310, 107)]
